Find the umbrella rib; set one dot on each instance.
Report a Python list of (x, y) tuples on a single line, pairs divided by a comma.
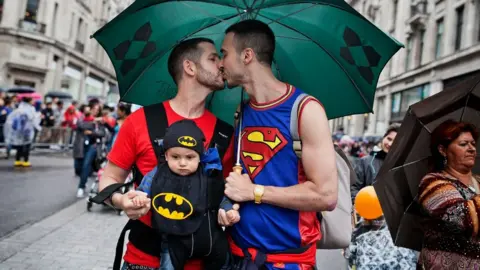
[(424, 126), (222, 33), (408, 164), (293, 13), (328, 53), (201, 10), (162, 54), (323, 4), (464, 108)]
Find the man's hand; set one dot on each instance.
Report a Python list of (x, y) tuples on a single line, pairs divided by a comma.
[(87, 132), (125, 202), (239, 188), (229, 218)]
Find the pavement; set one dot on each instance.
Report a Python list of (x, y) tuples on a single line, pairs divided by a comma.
[(70, 239), (76, 239)]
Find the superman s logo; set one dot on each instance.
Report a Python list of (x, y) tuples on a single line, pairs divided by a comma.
[(259, 145)]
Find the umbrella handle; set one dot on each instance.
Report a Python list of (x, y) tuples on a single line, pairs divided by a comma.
[(237, 169), (354, 218)]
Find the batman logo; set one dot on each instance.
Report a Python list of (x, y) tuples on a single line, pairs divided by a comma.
[(172, 206), (187, 141)]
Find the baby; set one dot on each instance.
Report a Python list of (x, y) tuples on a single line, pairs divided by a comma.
[(186, 194)]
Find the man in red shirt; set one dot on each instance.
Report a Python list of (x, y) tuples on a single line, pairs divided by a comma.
[(193, 64)]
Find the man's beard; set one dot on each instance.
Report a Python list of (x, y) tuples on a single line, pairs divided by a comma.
[(209, 80)]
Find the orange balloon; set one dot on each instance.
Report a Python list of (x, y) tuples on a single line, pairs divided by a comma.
[(367, 203)]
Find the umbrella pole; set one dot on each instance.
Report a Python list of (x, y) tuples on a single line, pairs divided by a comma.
[(238, 167)]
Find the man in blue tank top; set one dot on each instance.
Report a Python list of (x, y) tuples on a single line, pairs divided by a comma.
[(279, 195)]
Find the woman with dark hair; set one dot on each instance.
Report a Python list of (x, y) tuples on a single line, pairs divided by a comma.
[(449, 196), (366, 168)]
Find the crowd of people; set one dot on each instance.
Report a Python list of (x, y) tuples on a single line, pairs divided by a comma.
[(89, 128)]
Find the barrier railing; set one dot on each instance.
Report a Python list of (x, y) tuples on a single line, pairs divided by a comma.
[(55, 138)]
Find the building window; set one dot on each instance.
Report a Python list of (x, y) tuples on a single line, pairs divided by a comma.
[(478, 20), (421, 47), (32, 11), (24, 83), (401, 101), (380, 125), (93, 87), (71, 79), (395, 11), (409, 53), (79, 43), (439, 39), (1, 10), (458, 35), (54, 21), (72, 20)]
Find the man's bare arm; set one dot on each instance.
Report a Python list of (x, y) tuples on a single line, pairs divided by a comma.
[(113, 174), (320, 191)]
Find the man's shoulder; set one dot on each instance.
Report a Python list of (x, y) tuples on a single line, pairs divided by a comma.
[(140, 113)]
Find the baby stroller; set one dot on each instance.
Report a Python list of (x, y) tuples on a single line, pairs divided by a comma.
[(98, 166)]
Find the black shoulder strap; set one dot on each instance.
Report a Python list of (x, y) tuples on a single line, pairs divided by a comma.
[(222, 135), (157, 123)]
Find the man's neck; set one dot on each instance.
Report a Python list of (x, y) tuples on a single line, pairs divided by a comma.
[(189, 101), (263, 87)]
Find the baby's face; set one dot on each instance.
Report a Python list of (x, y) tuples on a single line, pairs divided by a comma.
[(182, 161)]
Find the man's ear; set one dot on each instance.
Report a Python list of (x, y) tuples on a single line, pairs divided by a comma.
[(247, 56), (189, 67)]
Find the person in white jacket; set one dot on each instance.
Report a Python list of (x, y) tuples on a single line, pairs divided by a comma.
[(20, 129)]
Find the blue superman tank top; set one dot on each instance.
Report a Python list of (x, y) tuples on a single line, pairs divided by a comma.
[(267, 156)]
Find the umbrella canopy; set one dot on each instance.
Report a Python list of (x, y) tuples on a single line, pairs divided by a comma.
[(324, 47), (408, 159)]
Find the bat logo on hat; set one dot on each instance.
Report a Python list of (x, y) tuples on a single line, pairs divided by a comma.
[(172, 206), (187, 141)]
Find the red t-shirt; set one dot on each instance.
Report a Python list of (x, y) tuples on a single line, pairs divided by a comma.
[(133, 146)]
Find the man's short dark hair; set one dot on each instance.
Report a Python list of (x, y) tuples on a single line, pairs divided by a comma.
[(187, 49), (255, 35)]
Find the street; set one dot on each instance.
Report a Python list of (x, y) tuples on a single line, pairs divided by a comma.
[(31, 194)]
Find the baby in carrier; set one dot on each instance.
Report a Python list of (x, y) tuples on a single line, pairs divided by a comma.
[(186, 192)]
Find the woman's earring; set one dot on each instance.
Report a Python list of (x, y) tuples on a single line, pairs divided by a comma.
[(445, 162)]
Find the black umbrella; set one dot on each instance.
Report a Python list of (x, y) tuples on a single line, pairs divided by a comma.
[(408, 159)]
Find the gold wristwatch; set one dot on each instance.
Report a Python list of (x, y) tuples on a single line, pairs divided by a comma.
[(258, 193)]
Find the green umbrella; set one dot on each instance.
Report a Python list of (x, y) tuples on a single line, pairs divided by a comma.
[(323, 47)]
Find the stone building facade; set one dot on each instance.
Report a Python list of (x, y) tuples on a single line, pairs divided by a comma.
[(46, 44), (442, 47)]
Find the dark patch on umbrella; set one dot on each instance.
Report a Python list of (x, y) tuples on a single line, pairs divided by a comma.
[(143, 33), (345, 53), (353, 42), (351, 38), (140, 38), (121, 50), (127, 66), (149, 48), (372, 56), (366, 73)]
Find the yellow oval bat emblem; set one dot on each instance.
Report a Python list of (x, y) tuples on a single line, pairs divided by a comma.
[(187, 141), (172, 206)]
